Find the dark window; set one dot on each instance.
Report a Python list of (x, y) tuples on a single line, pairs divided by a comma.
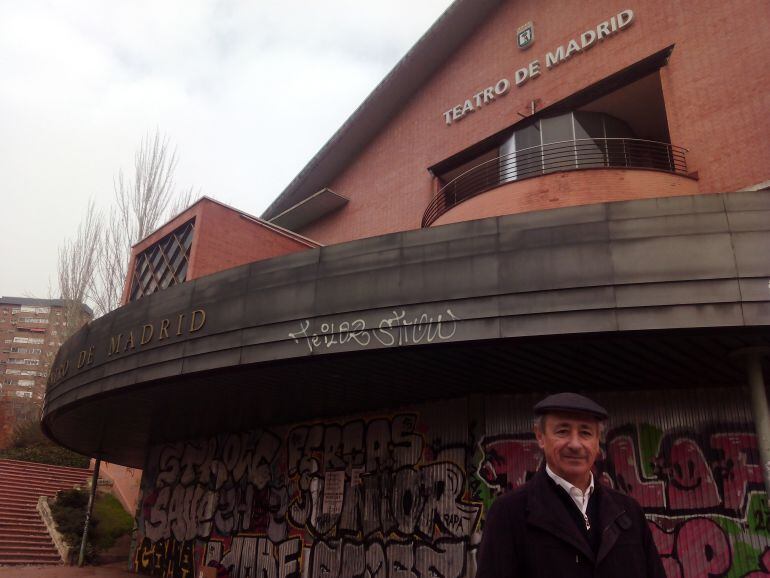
[(529, 156), (590, 135), (163, 264), (558, 143)]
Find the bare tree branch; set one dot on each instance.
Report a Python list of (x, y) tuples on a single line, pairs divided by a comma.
[(77, 266), (113, 256), (142, 202), (181, 201)]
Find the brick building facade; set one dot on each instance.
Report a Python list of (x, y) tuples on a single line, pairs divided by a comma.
[(541, 196)]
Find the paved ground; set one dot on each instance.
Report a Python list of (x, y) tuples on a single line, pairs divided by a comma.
[(107, 571)]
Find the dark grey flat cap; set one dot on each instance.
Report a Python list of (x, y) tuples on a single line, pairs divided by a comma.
[(571, 402)]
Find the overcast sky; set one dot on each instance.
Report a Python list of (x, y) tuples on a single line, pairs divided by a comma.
[(246, 91)]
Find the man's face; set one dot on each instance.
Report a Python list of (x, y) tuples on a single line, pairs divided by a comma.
[(570, 442)]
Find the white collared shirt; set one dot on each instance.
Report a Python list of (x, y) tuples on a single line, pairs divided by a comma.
[(578, 496)]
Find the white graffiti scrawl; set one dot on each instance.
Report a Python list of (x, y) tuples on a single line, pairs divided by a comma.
[(395, 330)]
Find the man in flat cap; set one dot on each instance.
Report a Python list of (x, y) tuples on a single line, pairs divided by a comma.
[(562, 522)]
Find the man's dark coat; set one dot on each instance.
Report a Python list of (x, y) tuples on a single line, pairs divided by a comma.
[(530, 533)]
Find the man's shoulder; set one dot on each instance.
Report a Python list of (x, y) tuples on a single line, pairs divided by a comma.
[(515, 499), (625, 501)]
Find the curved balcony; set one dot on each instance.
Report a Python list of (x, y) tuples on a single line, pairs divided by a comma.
[(570, 155)]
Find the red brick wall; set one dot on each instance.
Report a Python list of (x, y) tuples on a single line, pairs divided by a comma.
[(227, 239), (714, 88), (223, 238), (569, 189)]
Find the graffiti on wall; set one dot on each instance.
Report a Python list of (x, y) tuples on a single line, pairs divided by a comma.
[(386, 497), (341, 499)]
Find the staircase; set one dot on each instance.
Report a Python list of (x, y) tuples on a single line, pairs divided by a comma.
[(24, 538)]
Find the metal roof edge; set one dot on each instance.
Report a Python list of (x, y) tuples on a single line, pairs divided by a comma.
[(205, 198)]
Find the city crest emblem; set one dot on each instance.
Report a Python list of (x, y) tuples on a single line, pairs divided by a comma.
[(525, 35)]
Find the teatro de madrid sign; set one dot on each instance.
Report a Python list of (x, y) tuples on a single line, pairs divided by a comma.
[(562, 53)]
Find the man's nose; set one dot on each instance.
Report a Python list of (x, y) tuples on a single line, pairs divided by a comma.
[(574, 442)]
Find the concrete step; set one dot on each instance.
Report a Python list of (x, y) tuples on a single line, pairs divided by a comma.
[(25, 503), (6, 519), (23, 493), (44, 467), (6, 497), (34, 482), (46, 487), (27, 549), (41, 469), (24, 539), (32, 487), (9, 505), (10, 508), (20, 526), (15, 562), (7, 489), (18, 492), (20, 516), (30, 557), (31, 480), (15, 501), (39, 540), (6, 534)]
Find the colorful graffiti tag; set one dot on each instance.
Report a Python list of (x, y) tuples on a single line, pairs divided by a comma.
[(384, 497), (341, 499)]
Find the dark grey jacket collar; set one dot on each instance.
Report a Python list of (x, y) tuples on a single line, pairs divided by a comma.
[(547, 512)]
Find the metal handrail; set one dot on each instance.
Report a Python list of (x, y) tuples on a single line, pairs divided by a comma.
[(567, 155)]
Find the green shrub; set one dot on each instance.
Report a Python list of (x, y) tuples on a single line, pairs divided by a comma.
[(28, 434), (109, 521), (29, 444), (52, 455), (72, 499), (112, 521), (69, 514)]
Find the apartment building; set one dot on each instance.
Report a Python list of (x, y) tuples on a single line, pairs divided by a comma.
[(31, 331)]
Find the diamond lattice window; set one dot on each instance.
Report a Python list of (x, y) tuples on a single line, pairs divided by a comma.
[(163, 264)]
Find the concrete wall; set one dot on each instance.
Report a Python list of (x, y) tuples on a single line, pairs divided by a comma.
[(691, 269), (713, 87), (396, 492), (126, 483)]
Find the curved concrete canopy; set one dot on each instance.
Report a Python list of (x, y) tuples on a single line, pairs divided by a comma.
[(638, 294)]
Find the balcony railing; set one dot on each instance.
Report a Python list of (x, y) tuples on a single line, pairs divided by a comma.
[(555, 157)]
